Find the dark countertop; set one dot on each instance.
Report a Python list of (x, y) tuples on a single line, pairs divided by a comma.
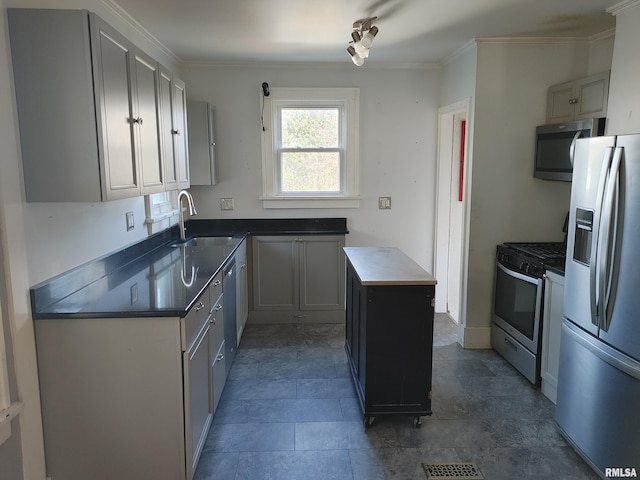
[(153, 278)]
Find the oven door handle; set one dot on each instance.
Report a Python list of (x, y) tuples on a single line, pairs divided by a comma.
[(518, 275)]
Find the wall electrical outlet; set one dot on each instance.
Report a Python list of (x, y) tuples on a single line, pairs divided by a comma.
[(130, 223), (384, 203), (226, 204)]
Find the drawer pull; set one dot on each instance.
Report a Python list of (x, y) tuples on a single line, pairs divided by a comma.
[(217, 307), (220, 357), (216, 283), (199, 306)]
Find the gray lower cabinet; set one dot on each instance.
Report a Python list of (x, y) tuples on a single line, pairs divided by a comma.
[(298, 278), (88, 105), (131, 398)]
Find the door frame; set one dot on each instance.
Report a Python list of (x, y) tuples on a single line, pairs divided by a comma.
[(447, 153)]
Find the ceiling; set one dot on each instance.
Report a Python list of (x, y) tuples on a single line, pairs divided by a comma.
[(410, 31)]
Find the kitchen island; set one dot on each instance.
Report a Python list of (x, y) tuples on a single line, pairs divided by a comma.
[(389, 332)]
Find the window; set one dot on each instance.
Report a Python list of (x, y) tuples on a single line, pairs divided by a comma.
[(310, 148), (161, 211)]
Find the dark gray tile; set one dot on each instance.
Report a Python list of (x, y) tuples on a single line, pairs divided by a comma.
[(290, 411), (250, 437), (460, 368), (326, 388), (344, 436), (296, 410), (320, 465), (215, 466), (351, 410), (297, 369), (260, 389), (265, 355), (527, 464), (397, 463), (231, 410)]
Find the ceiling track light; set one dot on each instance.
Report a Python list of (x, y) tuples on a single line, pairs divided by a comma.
[(362, 39)]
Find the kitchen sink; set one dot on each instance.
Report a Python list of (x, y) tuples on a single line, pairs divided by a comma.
[(203, 242)]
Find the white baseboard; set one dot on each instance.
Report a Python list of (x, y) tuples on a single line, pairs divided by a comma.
[(474, 337)]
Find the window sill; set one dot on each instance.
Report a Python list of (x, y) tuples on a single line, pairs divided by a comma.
[(311, 202), (6, 416)]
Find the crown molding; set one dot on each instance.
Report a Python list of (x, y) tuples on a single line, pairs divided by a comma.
[(622, 7), (134, 24), (381, 65)]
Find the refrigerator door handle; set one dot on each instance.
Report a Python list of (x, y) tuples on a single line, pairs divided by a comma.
[(607, 242), (572, 148), (594, 260)]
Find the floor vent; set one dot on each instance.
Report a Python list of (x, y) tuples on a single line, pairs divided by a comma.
[(452, 471)]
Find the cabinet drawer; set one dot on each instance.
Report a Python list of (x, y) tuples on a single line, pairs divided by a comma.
[(217, 325), (215, 289), (195, 319), (218, 376)]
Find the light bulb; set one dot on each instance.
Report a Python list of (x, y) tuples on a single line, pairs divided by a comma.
[(357, 59), (367, 38)]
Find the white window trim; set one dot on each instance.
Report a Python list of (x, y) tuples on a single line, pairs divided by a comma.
[(161, 211), (350, 197)]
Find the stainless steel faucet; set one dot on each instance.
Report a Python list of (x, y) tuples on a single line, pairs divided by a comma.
[(192, 209)]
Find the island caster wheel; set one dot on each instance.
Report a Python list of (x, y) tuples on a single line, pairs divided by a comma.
[(417, 421), (368, 421)]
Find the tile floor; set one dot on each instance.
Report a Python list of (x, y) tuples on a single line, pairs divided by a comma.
[(289, 412)]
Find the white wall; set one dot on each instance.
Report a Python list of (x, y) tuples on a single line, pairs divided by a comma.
[(623, 114), (398, 124), (507, 203)]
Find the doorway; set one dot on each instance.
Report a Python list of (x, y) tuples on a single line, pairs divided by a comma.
[(452, 191)]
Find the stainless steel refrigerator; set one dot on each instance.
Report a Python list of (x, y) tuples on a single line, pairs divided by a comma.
[(598, 403)]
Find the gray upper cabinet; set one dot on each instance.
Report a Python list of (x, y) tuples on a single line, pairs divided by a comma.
[(202, 153), (173, 135), (88, 112), (579, 99)]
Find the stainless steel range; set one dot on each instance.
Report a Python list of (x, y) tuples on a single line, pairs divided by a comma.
[(517, 302)]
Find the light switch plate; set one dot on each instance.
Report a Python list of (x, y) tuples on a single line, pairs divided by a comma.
[(130, 222), (226, 204), (384, 203)]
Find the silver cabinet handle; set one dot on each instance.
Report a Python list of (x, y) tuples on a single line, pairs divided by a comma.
[(217, 307), (216, 283), (199, 306), (175, 132), (220, 356)]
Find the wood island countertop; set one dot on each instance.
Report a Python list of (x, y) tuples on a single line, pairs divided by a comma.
[(386, 266)]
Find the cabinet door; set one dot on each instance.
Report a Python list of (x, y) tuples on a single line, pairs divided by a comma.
[(165, 78), (275, 273), (112, 57), (200, 117), (180, 134), (321, 272), (561, 101), (146, 125), (592, 93), (198, 401)]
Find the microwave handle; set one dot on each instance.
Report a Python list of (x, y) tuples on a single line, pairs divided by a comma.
[(572, 148)]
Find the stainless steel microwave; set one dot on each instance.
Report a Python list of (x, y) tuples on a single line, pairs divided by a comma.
[(555, 144)]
